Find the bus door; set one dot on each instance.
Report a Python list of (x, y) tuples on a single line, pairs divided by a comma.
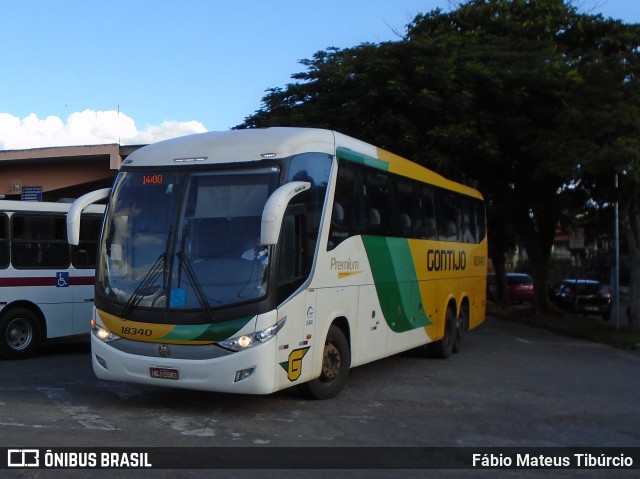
[(82, 292), (61, 322), (293, 269), (82, 273)]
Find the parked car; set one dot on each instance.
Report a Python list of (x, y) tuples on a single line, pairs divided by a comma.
[(585, 296), (519, 287)]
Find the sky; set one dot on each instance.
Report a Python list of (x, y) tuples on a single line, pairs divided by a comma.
[(78, 72)]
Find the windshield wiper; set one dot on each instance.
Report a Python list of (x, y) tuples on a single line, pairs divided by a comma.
[(195, 283), (148, 284)]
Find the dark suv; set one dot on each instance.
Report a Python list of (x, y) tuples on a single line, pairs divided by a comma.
[(585, 296)]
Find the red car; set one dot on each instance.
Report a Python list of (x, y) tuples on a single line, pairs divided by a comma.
[(519, 287)]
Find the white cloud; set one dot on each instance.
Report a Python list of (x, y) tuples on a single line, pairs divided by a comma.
[(85, 128)]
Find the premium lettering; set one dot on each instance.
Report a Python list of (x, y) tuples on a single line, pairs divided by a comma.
[(346, 265)]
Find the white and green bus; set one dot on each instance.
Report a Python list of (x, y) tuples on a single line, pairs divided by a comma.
[(253, 260)]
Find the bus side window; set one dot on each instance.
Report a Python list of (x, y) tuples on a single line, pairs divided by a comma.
[(349, 213), (449, 217), (469, 225), (4, 242), (381, 203), (409, 216), (479, 218), (39, 241), (316, 169), (293, 262), (85, 254), (428, 223)]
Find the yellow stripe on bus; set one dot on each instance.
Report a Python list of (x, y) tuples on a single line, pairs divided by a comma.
[(152, 331)]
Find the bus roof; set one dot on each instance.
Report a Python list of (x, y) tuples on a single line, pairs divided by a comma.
[(233, 146), (44, 207), (279, 142)]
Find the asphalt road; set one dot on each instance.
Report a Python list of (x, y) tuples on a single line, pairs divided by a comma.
[(511, 385)]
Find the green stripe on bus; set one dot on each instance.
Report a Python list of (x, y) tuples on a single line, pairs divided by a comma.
[(207, 332), (396, 283), (351, 155)]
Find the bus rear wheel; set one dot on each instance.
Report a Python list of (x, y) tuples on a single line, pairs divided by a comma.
[(336, 360), (462, 326), (443, 348), (19, 334)]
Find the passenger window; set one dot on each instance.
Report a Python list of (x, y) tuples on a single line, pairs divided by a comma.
[(479, 218), (380, 202), (468, 227), (450, 217), (349, 214), (387, 204), (39, 242), (427, 226), (408, 208), (293, 263), (86, 253), (4, 243), (316, 169)]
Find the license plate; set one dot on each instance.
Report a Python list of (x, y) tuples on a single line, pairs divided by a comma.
[(591, 308), (164, 373)]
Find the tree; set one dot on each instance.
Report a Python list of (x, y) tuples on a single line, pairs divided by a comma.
[(518, 80), (497, 94), (605, 128)]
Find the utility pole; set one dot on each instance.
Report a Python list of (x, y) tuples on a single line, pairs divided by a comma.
[(616, 235)]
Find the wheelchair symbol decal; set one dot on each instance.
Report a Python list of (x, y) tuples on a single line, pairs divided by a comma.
[(62, 279)]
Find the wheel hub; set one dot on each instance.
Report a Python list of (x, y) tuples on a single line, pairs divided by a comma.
[(332, 362), (18, 334)]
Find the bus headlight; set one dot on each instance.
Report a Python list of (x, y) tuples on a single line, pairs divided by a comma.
[(245, 341), (102, 333)]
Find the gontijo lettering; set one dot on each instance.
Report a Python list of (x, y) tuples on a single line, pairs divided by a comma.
[(446, 260)]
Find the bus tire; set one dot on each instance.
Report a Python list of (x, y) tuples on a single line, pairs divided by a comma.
[(462, 326), (443, 348), (336, 360), (19, 334)]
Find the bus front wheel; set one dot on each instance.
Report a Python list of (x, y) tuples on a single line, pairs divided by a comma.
[(336, 360), (19, 334)]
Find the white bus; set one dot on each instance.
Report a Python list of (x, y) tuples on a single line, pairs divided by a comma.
[(250, 261), (46, 285)]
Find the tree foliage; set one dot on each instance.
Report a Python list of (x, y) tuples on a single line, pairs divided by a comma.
[(532, 102)]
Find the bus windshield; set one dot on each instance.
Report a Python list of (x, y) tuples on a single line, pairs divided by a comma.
[(185, 239)]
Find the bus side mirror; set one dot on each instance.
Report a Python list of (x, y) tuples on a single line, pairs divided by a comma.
[(73, 216), (274, 210)]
